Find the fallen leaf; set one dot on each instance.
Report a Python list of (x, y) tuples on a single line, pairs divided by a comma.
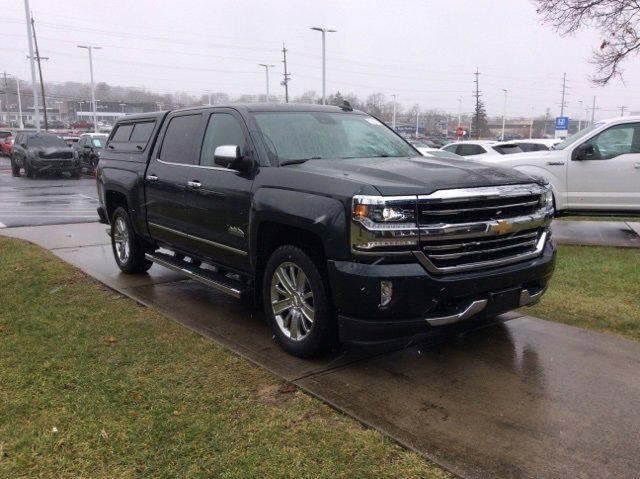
[(176, 413), (287, 389), (104, 434), (54, 429), (110, 340), (136, 396)]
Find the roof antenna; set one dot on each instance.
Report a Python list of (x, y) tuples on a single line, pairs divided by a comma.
[(346, 106)]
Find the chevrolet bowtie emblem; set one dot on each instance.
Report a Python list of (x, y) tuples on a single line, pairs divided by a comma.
[(501, 227)]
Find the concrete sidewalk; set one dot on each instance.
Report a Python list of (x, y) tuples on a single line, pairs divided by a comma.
[(621, 234), (521, 398)]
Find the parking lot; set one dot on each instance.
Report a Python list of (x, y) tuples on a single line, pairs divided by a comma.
[(45, 200)]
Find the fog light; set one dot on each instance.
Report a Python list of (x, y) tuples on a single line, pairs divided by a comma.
[(386, 292)]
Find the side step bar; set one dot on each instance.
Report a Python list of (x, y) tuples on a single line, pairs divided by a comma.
[(210, 278)]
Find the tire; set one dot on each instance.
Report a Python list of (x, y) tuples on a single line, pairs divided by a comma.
[(127, 248), (15, 169), (76, 173), (28, 171), (307, 327)]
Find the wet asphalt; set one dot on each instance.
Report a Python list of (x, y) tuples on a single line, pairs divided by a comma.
[(515, 397), (45, 200)]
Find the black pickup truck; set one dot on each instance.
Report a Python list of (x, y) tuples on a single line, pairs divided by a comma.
[(326, 218)]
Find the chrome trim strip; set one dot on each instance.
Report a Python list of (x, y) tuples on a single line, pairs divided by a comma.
[(483, 208), (432, 268), (448, 247), (197, 238), (482, 251), (528, 299), (482, 193), (217, 168), (471, 310), (236, 293)]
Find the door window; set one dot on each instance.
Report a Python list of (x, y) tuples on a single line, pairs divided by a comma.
[(470, 150), (142, 133), (451, 148), (122, 134), (223, 129), (179, 138), (615, 141)]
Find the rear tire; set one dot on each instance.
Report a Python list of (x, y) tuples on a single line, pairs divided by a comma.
[(76, 174), (127, 247), (15, 169), (28, 171), (297, 303)]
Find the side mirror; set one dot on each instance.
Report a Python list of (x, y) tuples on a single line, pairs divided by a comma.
[(583, 152), (230, 156)]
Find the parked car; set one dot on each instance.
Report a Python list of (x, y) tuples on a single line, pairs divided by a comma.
[(88, 148), (39, 153), (594, 170), (435, 153), (482, 148), (325, 217), (6, 142), (535, 144)]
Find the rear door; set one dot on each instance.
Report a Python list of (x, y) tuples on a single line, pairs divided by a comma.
[(219, 198), (610, 178), (167, 176)]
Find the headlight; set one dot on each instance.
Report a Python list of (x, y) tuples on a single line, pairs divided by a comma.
[(383, 223), (546, 199)]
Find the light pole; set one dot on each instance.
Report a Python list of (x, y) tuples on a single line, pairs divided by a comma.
[(20, 122), (531, 124), (417, 122), (504, 114), (324, 61), (393, 122), (459, 112), (93, 90), (266, 72), (580, 116)]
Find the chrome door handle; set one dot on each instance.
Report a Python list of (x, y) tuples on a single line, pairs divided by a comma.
[(555, 163), (194, 184), (152, 178)]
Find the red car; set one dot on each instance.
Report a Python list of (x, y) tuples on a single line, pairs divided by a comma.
[(6, 142)]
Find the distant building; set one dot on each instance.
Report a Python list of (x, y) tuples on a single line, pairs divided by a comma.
[(107, 111)]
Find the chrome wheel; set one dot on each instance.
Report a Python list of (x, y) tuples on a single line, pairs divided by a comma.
[(292, 301), (121, 240)]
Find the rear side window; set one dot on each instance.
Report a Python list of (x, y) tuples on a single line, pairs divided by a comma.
[(470, 150), (142, 133), (507, 149), (122, 134), (179, 139), (450, 148)]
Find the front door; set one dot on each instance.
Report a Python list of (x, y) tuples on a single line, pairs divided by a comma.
[(166, 180), (609, 178), (219, 198)]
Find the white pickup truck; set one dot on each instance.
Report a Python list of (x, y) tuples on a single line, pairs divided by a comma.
[(594, 170)]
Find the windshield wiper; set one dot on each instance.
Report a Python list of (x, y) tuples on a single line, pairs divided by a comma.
[(298, 161)]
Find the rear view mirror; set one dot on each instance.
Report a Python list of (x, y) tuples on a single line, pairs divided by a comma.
[(229, 156), (583, 152)]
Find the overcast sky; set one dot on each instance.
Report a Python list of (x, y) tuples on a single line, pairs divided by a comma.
[(425, 51)]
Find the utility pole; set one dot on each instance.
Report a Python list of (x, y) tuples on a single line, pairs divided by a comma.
[(593, 110), (266, 70), (209, 97), (286, 75), (20, 122), (34, 85), (417, 122), (393, 122), (6, 95), (38, 58), (459, 112), (324, 61), (531, 125), (622, 108), (477, 95), (93, 88), (504, 114), (564, 87)]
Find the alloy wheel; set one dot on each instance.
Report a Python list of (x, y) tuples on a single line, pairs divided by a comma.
[(121, 240), (292, 301)]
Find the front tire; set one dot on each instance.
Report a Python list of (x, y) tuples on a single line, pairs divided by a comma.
[(15, 169), (297, 303), (126, 245)]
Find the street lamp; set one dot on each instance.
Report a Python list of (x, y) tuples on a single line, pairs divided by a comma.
[(93, 90), (123, 106), (324, 61), (393, 122), (266, 71)]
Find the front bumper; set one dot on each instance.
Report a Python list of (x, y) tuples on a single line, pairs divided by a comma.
[(54, 166), (423, 302)]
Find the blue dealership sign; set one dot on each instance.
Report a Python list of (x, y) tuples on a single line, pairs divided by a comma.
[(562, 123)]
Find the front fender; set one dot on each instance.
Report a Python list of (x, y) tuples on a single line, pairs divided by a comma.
[(322, 216), (557, 182)]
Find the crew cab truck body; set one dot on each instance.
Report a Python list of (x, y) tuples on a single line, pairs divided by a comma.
[(326, 217), (596, 170)]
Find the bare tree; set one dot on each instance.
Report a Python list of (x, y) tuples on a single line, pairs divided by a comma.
[(617, 20)]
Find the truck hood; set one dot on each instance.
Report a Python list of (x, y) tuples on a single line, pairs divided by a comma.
[(418, 175)]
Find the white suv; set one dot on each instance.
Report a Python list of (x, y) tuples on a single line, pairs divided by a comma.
[(596, 169)]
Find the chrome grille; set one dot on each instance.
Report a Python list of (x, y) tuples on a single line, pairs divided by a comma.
[(462, 230)]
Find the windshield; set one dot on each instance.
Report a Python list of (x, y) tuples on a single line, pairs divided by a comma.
[(99, 141), (576, 136), (317, 135), (45, 141)]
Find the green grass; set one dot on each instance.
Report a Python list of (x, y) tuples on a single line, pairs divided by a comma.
[(631, 219), (94, 385), (596, 288)]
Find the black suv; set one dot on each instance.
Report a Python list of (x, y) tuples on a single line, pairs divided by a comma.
[(326, 217), (39, 153), (88, 149)]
